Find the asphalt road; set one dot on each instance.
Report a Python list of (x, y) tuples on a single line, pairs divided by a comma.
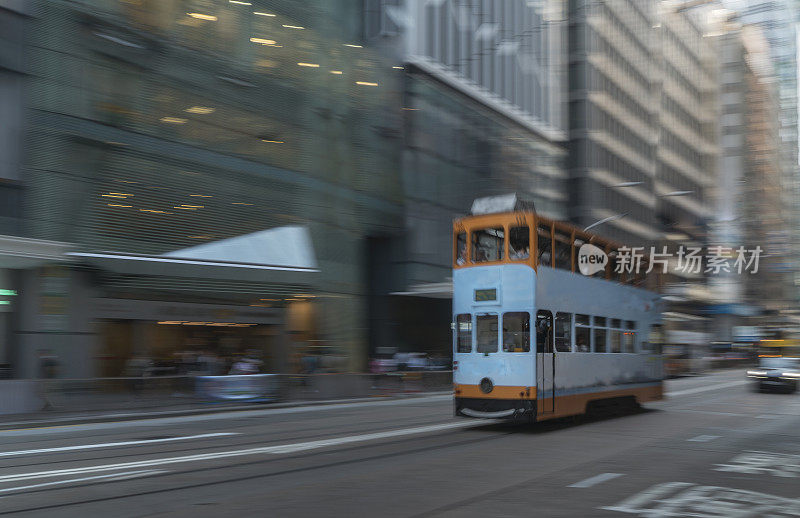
[(714, 448)]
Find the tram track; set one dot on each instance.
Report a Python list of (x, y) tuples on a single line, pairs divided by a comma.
[(262, 462)]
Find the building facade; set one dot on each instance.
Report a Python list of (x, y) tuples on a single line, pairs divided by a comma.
[(217, 169), (485, 113)]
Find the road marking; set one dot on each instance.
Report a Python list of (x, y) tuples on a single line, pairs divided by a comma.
[(112, 477), (234, 414), (706, 389), (283, 448), (768, 416), (597, 479), (703, 438), (114, 444)]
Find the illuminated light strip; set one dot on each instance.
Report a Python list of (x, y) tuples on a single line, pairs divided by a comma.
[(189, 261), (192, 206), (118, 205), (206, 17), (239, 2), (273, 141), (336, 72), (202, 110), (262, 41), (153, 211), (121, 193), (240, 203), (365, 83), (353, 46), (201, 195), (173, 120), (184, 208), (293, 27), (263, 14), (397, 67), (311, 65), (113, 196)]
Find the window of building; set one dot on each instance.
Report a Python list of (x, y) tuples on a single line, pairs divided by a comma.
[(486, 332), (519, 243), (487, 245), (461, 248), (517, 332), (544, 245), (464, 333), (563, 332)]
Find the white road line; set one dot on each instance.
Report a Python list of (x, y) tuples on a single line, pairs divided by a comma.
[(234, 414), (111, 478), (114, 444), (283, 448), (706, 388), (703, 438), (597, 479)]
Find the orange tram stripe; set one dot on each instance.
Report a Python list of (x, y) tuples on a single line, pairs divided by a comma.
[(572, 404)]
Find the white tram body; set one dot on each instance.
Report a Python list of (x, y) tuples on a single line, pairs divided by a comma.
[(536, 341)]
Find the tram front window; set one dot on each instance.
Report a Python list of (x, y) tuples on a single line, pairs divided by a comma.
[(486, 333), (516, 332), (487, 245)]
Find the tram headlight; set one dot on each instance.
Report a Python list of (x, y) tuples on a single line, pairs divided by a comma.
[(486, 385)]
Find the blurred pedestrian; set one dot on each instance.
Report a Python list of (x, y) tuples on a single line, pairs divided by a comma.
[(48, 370)]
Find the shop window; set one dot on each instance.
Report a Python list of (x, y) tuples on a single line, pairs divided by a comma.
[(486, 333), (487, 245), (464, 333), (519, 243), (517, 332)]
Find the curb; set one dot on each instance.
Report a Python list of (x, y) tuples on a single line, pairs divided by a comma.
[(135, 416)]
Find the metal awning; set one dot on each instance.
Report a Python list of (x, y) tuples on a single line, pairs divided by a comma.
[(283, 255), (24, 252), (431, 290)]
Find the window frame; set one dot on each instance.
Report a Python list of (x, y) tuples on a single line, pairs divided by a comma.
[(457, 334), (503, 324), (478, 345)]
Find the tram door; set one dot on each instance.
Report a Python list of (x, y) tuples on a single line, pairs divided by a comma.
[(545, 363)]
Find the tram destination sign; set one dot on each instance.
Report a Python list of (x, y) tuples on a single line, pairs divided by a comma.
[(483, 295)]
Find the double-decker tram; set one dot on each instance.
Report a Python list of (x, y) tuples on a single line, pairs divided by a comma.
[(534, 338)]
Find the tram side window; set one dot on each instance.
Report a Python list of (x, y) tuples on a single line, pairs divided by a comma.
[(519, 243), (486, 333), (629, 342), (487, 245), (616, 341), (600, 335), (461, 248), (544, 331), (583, 342), (516, 332), (464, 333), (563, 251), (544, 245), (563, 332)]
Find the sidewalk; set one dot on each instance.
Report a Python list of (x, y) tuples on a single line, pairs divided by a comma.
[(54, 418)]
